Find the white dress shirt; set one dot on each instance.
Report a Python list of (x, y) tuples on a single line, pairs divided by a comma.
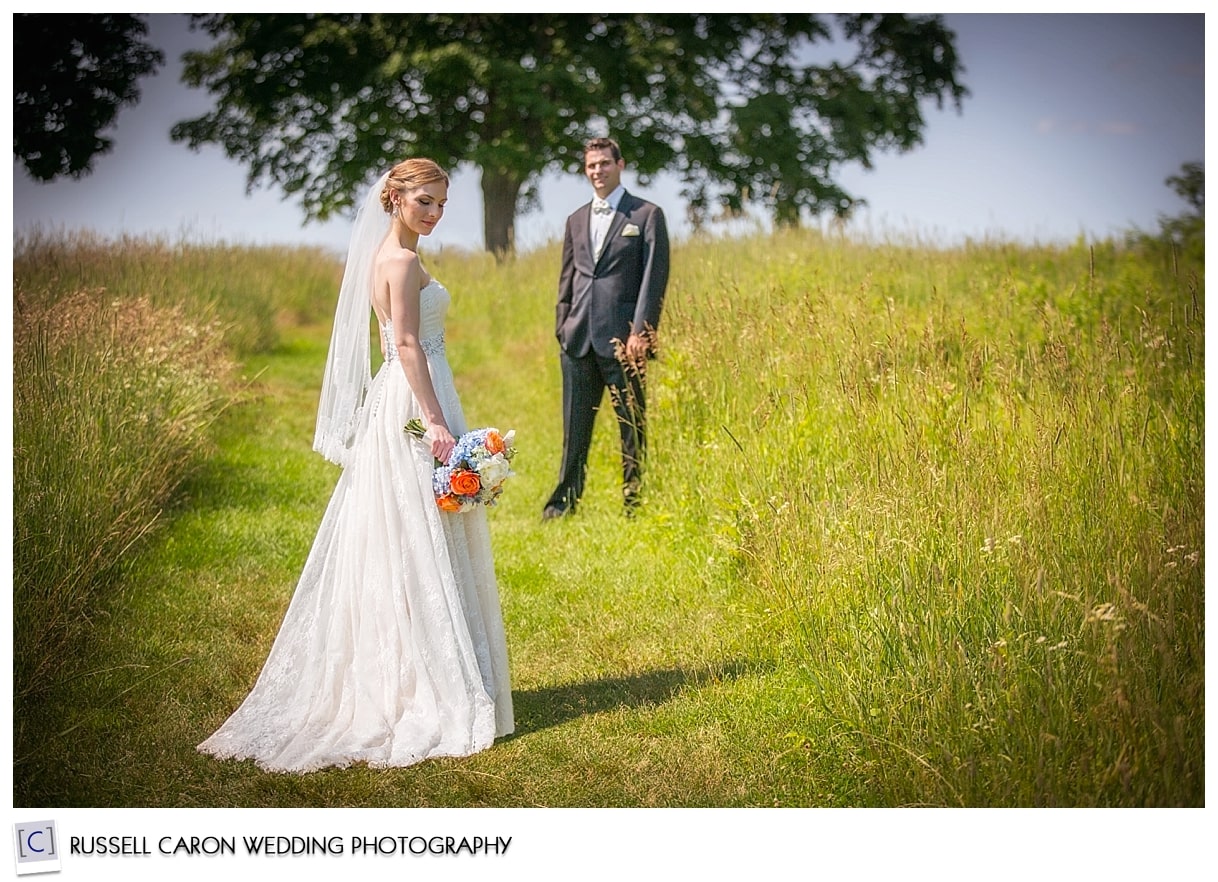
[(598, 226)]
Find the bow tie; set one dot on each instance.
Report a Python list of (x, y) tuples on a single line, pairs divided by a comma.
[(601, 206)]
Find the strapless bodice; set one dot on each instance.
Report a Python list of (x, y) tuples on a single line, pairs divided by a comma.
[(433, 307)]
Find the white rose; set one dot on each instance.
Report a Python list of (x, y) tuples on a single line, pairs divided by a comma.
[(494, 471)]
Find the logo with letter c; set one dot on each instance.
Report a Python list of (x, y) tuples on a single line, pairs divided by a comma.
[(36, 846)]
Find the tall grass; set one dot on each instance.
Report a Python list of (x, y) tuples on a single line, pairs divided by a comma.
[(251, 291), (967, 487), (123, 355), (920, 527), (110, 400)]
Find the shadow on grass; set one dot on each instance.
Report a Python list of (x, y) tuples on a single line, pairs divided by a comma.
[(538, 709)]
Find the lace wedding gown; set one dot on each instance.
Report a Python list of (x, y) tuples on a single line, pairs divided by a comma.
[(392, 649)]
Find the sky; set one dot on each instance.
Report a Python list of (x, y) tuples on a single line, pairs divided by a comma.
[(1073, 125)]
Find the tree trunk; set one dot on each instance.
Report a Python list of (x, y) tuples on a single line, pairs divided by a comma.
[(500, 191)]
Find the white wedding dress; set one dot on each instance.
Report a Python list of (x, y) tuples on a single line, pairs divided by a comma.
[(392, 650)]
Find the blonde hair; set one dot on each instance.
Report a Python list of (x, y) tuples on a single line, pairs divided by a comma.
[(410, 174)]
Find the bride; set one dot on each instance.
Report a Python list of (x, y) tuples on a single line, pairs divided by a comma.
[(392, 649)]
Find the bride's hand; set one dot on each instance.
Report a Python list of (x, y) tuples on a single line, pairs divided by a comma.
[(441, 442)]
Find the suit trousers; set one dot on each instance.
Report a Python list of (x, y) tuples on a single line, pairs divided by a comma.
[(584, 381)]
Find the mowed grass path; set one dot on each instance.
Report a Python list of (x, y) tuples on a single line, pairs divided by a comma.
[(627, 686)]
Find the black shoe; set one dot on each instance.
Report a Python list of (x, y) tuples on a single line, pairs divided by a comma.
[(631, 499), (550, 512)]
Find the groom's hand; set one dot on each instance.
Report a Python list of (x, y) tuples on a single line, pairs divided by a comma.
[(637, 346)]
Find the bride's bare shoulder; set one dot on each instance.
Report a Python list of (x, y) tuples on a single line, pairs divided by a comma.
[(394, 261), (395, 257)]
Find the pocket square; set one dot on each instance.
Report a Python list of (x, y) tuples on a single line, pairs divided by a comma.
[(630, 230)]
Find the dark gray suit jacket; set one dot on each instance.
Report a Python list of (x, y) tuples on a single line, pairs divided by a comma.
[(622, 291)]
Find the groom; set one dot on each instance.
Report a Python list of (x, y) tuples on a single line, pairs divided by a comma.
[(610, 292)]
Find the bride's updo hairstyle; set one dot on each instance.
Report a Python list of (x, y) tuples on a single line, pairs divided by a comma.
[(410, 174)]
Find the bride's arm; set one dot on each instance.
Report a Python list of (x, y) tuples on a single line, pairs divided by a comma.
[(405, 279)]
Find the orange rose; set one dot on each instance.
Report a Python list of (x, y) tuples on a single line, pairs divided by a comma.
[(465, 482), (448, 502), (494, 442)]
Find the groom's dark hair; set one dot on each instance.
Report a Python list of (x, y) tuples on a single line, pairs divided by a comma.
[(603, 144)]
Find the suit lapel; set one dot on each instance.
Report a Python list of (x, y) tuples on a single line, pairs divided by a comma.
[(583, 232)]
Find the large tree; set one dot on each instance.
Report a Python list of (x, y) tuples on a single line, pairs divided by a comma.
[(71, 76), (733, 104)]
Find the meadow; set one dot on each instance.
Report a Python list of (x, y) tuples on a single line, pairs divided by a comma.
[(921, 527)]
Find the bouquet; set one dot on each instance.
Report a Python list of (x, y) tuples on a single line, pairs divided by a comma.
[(475, 472)]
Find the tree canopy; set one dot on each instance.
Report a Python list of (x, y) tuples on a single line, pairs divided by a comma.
[(1189, 185), (1188, 229), (733, 104), (71, 76)]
